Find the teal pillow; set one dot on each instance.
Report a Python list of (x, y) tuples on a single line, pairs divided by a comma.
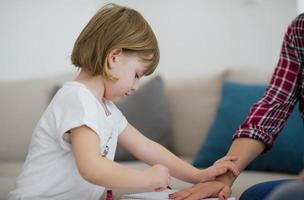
[(287, 153)]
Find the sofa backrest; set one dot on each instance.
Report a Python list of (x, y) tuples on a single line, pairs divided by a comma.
[(192, 105), (22, 103)]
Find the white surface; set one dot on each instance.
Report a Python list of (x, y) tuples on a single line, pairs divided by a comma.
[(195, 36), (156, 195)]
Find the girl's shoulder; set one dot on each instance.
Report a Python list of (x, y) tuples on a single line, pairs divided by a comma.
[(73, 90), (74, 95)]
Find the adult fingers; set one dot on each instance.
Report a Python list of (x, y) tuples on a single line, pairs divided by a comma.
[(224, 193), (180, 195), (195, 196)]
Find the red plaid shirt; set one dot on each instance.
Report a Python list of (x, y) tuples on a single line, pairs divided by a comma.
[(268, 116)]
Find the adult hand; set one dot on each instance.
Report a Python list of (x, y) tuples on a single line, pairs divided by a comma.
[(301, 176), (203, 190)]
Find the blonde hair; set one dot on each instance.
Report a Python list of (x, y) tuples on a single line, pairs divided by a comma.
[(114, 27)]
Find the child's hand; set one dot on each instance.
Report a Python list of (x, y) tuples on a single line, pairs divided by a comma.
[(220, 167), (158, 177)]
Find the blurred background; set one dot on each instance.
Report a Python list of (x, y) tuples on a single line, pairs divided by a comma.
[(195, 37)]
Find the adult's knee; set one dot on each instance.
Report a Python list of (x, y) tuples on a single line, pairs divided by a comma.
[(261, 191), (292, 190), (251, 193)]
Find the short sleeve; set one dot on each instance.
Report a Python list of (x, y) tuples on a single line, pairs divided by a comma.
[(73, 109)]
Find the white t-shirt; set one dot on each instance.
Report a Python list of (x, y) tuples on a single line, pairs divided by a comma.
[(50, 171)]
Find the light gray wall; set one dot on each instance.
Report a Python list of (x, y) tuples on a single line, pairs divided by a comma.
[(300, 6), (195, 36)]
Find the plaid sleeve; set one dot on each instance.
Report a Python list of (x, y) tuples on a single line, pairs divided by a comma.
[(268, 116)]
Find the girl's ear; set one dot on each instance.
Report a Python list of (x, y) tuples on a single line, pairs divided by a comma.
[(113, 57)]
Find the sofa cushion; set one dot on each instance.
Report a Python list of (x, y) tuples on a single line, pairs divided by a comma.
[(233, 108), (192, 105), (250, 75), (147, 110)]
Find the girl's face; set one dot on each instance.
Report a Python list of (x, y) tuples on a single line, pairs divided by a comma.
[(128, 68)]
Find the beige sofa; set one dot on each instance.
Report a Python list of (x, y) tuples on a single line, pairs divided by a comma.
[(192, 104)]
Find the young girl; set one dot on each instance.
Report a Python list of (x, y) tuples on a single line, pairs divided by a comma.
[(73, 145)]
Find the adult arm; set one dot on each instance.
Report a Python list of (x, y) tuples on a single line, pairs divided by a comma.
[(267, 117)]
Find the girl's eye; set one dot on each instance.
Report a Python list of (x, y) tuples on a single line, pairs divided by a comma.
[(136, 76)]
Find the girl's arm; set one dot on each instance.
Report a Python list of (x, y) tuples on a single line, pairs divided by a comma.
[(153, 153), (101, 171)]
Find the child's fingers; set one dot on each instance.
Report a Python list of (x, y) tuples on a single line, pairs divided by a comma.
[(169, 179), (219, 171), (159, 189), (230, 166), (226, 158), (233, 168)]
